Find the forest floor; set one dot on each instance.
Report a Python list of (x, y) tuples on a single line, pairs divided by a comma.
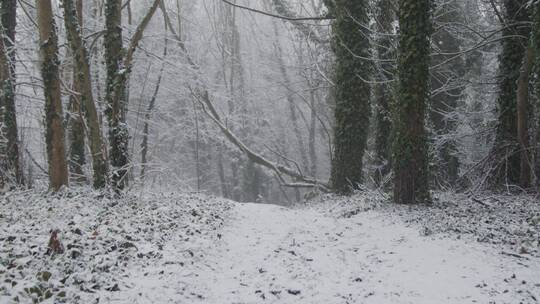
[(182, 248), (273, 254)]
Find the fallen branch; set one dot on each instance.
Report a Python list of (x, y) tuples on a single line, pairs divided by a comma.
[(300, 185), (480, 202), (515, 255), (210, 111)]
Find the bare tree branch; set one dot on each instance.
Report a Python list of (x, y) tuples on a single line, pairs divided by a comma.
[(139, 33), (280, 170), (278, 16)]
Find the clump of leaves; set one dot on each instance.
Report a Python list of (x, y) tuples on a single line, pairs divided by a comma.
[(55, 246)]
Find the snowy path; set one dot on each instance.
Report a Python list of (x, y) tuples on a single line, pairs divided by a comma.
[(271, 254)]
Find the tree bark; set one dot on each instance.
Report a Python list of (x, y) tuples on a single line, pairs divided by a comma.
[(312, 133), (56, 153), (97, 149), (506, 147), (150, 109), (352, 110), (10, 167), (115, 92), (77, 157), (119, 62), (523, 119), (536, 48), (225, 192), (410, 159), (384, 90)]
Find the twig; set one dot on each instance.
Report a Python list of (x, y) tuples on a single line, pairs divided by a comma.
[(515, 255), (479, 202), (34, 161), (278, 16)]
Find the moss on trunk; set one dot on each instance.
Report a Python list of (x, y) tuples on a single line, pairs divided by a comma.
[(410, 159), (352, 93), (10, 168), (54, 135), (506, 146), (97, 149)]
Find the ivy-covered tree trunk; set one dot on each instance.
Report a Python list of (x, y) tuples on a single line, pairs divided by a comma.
[(352, 93), (76, 42), (536, 49), (384, 90), (410, 159), (10, 168), (56, 152), (116, 93), (506, 146), (77, 157), (445, 83), (119, 62)]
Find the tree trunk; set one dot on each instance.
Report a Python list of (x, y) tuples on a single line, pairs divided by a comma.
[(116, 93), (410, 147), (10, 168), (523, 119), (233, 69), (506, 146), (225, 191), (312, 134), (384, 90), (97, 149), (77, 157), (237, 91), (150, 109), (119, 62), (536, 46), (352, 112), (56, 153)]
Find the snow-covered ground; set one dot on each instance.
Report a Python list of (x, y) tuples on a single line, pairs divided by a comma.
[(275, 255), (193, 249), (113, 249)]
